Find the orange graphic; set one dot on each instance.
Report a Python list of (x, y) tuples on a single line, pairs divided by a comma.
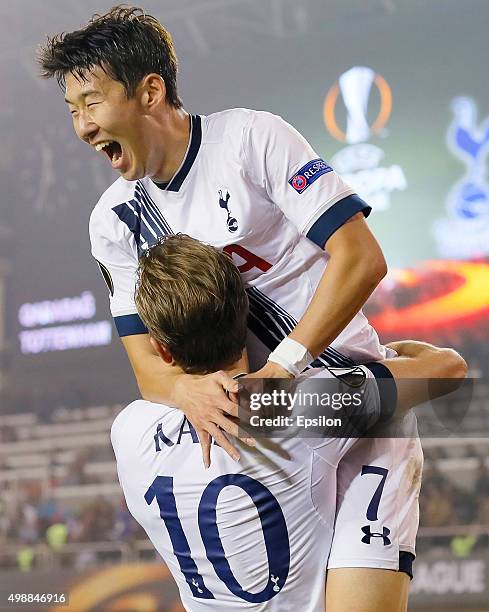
[(467, 302), (124, 587), (329, 109), (142, 602)]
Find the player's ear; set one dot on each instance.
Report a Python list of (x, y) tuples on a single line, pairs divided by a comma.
[(153, 91), (162, 351)]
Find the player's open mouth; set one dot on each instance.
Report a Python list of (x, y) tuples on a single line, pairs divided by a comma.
[(113, 150)]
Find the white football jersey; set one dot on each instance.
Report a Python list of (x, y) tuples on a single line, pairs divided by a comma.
[(252, 535), (252, 186)]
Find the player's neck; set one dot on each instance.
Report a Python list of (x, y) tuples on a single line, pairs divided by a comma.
[(174, 134), (240, 367)]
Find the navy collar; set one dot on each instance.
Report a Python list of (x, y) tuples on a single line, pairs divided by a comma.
[(193, 149)]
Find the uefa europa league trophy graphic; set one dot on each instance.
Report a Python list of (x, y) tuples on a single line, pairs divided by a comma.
[(355, 86)]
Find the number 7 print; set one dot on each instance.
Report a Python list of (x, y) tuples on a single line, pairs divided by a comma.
[(373, 507)]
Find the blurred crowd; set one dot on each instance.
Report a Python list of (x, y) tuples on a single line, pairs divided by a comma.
[(443, 503), (32, 519)]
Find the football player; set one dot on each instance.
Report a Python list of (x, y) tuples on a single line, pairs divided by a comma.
[(242, 180), (256, 534)]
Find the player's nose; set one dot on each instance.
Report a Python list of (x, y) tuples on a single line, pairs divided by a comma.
[(85, 127)]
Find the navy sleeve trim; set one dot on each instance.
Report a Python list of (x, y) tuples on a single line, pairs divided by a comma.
[(333, 218), (129, 325), (387, 389), (406, 560)]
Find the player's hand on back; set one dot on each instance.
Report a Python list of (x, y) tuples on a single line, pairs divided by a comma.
[(270, 370), (206, 404)]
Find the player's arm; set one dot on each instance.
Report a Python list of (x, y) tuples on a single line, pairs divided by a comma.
[(423, 372), (355, 268)]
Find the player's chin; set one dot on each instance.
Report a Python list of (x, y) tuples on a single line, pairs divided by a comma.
[(132, 174)]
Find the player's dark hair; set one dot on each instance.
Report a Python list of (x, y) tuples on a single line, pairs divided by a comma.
[(191, 298), (125, 42)]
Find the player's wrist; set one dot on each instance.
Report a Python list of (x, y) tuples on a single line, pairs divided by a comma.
[(292, 356), (274, 370)]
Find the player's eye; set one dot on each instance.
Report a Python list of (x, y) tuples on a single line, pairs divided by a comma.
[(92, 104)]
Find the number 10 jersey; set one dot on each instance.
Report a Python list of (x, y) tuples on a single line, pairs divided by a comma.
[(251, 535)]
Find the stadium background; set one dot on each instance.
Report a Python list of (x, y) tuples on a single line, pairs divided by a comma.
[(394, 93)]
